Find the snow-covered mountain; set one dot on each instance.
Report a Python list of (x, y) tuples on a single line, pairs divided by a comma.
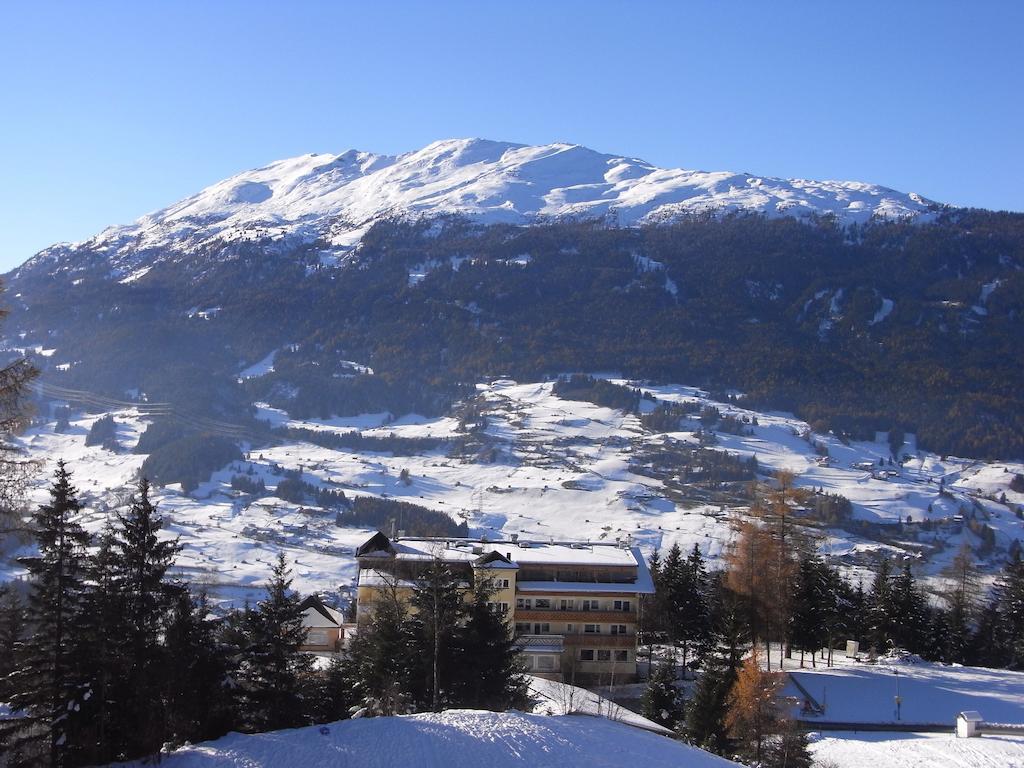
[(335, 198)]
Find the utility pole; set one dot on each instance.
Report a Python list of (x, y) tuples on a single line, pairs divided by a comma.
[(897, 698)]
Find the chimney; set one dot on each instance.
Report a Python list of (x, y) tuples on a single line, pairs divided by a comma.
[(515, 538)]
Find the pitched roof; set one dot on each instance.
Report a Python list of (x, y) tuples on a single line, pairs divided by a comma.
[(494, 559), (376, 543), (315, 603)]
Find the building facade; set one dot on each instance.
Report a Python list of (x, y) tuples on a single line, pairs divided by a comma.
[(573, 607)]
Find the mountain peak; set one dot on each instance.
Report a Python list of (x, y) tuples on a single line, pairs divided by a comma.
[(335, 198)]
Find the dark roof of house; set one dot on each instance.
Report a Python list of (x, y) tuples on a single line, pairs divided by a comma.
[(317, 605), (376, 543), (494, 557)]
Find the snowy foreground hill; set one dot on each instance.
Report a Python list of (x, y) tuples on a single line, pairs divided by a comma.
[(334, 199), (453, 739)]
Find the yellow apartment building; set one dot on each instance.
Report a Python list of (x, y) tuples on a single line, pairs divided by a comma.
[(573, 606)]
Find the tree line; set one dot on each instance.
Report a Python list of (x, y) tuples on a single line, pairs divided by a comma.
[(776, 592), (109, 658)]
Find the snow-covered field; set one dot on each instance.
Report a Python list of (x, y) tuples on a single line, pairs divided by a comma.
[(916, 750), (931, 693), (453, 739), (561, 469)]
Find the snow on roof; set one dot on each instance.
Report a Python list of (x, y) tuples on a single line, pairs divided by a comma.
[(557, 698), (523, 552), (317, 614), (371, 577), (313, 617)]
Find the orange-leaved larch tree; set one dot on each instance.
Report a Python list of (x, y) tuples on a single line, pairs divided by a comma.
[(753, 714)]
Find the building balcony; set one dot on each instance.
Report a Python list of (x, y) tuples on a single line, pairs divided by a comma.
[(540, 643), (582, 617), (601, 641)]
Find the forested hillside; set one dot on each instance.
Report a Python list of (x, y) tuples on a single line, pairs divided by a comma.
[(886, 326)]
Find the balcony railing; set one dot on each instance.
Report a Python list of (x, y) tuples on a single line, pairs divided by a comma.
[(576, 615), (595, 641), (550, 642)]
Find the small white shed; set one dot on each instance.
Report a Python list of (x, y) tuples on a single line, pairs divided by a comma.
[(967, 724)]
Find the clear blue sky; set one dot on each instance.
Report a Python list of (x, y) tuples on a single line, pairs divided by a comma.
[(111, 110)]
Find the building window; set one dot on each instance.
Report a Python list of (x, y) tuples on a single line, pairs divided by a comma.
[(591, 605), (622, 605), (618, 629), (592, 629), (570, 629), (604, 655), (523, 603), (621, 655), (542, 602), (542, 629), (568, 605), (501, 608), (316, 637), (522, 627), (502, 583), (586, 654)]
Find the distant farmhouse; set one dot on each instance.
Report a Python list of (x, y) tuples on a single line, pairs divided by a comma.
[(573, 606)]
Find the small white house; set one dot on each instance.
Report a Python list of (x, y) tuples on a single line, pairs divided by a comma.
[(325, 627), (967, 724)]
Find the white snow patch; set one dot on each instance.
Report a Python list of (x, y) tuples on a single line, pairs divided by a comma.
[(883, 312), (262, 368)]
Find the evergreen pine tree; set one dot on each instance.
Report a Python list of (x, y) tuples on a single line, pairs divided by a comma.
[(662, 701), (910, 612), (333, 693), (987, 648), (100, 645), (807, 620), (696, 614), (43, 684), (856, 620), (651, 606), (377, 664), (488, 675), (881, 618), (274, 672), (140, 563), (433, 632), (12, 628), (199, 701), (1011, 612), (961, 598), (705, 716), (788, 748)]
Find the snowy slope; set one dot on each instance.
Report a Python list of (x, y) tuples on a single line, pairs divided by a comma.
[(453, 739), (916, 750), (335, 198), (563, 469)]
